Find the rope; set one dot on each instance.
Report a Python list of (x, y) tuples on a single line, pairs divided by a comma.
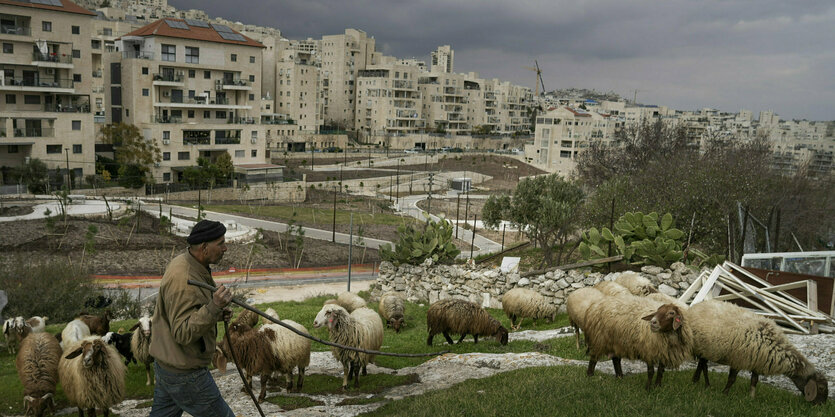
[(240, 371), (314, 338)]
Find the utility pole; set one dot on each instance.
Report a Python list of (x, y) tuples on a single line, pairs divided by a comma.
[(350, 248), (457, 213), (431, 181), (69, 180), (333, 238), (398, 182), (472, 242)]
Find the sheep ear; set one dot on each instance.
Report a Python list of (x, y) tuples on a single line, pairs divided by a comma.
[(73, 354), (135, 326), (648, 317), (810, 390), (677, 322)]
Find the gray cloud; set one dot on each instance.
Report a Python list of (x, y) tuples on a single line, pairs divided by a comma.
[(686, 54)]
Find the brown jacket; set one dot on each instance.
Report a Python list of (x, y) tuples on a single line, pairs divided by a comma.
[(185, 318)]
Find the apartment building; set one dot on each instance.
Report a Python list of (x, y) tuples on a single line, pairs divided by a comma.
[(444, 102), (110, 24), (562, 133), (388, 100), (46, 84), (482, 107), (297, 84), (513, 103), (443, 59), (193, 87), (343, 56)]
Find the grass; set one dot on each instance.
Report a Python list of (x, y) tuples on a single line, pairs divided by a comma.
[(288, 403), (566, 391), (312, 215)]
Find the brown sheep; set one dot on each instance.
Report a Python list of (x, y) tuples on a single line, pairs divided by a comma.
[(462, 317), (391, 309), (37, 367), (99, 325), (254, 353)]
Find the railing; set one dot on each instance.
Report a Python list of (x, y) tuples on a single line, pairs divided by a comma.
[(99, 119), (15, 30), (227, 140), (97, 74), (104, 33), (98, 89), (196, 141), (80, 108), (34, 132), (175, 78), (137, 55), (29, 82), (403, 84), (166, 119), (52, 57), (242, 120), (237, 83)]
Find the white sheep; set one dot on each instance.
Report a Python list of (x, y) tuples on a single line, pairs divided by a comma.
[(15, 330), (362, 328), (92, 375), (37, 367), (635, 283), (349, 301), (731, 335), (291, 350), (37, 323), (392, 308), (638, 328), (140, 345), (576, 305), (612, 289), (75, 331), (523, 303)]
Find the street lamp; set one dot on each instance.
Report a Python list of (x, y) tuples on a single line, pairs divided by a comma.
[(69, 180)]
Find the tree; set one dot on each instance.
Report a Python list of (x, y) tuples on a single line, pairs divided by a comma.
[(224, 165), (35, 175), (545, 207), (134, 153)]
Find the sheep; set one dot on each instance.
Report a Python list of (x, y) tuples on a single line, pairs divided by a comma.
[(638, 328), (733, 336), (291, 350), (92, 375), (666, 299), (98, 325), (37, 323), (248, 317), (362, 328), (576, 305), (140, 345), (611, 289), (391, 309), (122, 344), (15, 330), (37, 367), (635, 283), (254, 353), (462, 317), (74, 332), (522, 303), (349, 301)]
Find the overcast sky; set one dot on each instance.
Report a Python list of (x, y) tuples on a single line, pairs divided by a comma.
[(687, 54)]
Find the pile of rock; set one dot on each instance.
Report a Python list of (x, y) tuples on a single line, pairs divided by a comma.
[(485, 286)]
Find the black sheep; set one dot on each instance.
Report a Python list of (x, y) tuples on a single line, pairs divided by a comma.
[(122, 344)]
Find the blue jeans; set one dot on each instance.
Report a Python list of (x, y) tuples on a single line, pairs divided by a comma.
[(194, 392)]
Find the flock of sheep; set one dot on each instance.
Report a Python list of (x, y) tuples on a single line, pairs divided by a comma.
[(622, 319), (628, 319)]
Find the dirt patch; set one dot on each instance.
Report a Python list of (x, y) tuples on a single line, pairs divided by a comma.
[(16, 210), (505, 171)]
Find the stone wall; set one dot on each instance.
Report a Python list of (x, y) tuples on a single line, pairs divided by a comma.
[(485, 286), (283, 192)]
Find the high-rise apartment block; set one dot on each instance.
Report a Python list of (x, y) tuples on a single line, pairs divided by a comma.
[(443, 59), (343, 56)]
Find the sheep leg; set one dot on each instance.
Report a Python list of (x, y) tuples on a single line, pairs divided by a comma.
[(590, 370), (616, 365), (80, 412), (448, 339), (513, 322), (346, 372), (364, 370), (147, 374), (301, 380), (576, 335), (106, 412), (429, 339), (701, 368), (289, 378), (650, 374), (755, 377), (660, 375), (731, 379), (475, 337), (263, 395), (357, 375), (463, 335)]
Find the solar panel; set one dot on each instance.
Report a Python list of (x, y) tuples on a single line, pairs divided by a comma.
[(222, 28), (197, 23), (47, 2), (176, 24), (231, 36)]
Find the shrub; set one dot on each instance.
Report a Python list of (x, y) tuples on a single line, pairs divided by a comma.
[(639, 238), (416, 245)]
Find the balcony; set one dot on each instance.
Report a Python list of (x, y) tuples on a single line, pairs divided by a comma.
[(52, 59), (242, 120), (63, 85), (34, 132), (97, 74), (169, 79), (2, 132), (166, 119), (137, 55), (76, 108), (224, 137), (222, 103), (403, 85), (238, 84), (15, 30)]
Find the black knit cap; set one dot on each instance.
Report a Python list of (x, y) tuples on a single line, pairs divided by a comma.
[(206, 231)]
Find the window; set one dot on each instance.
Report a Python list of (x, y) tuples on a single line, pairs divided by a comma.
[(76, 53), (252, 78), (220, 114), (166, 156), (11, 148), (169, 53), (192, 55), (191, 94), (31, 99), (76, 30), (252, 96), (53, 148), (207, 114), (8, 48), (251, 59), (11, 99), (254, 135), (76, 78), (76, 148), (207, 74), (46, 26), (234, 58), (191, 114), (191, 73), (76, 125), (166, 135), (144, 70), (183, 156), (254, 153), (166, 176), (108, 32), (239, 153), (146, 92)]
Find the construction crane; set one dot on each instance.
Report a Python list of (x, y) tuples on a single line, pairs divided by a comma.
[(538, 80)]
